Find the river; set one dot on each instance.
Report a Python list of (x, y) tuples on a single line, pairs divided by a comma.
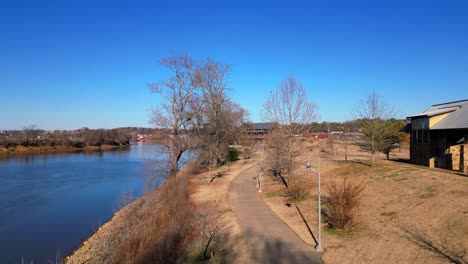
[(50, 203)]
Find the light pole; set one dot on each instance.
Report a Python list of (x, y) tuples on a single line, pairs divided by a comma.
[(319, 247)]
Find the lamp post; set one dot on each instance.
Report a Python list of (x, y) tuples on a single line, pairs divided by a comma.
[(318, 247)]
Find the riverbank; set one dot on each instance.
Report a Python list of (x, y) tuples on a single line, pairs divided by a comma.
[(4, 151), (143, 229)]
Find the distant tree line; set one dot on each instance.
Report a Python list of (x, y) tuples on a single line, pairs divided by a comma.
[(32, 136)]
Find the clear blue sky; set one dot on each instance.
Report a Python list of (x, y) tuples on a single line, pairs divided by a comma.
[(69, 64)]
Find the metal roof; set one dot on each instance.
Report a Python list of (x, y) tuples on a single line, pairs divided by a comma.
[(264, 126), (456, 119), (436, 112)]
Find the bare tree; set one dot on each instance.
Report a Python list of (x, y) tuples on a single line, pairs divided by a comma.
[(211, 227), (290, 107), (31, 132), (372, 112), (221, 118), (276, 154), (179, 107)]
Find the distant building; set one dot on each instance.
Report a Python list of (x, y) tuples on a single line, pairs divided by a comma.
[(439, 136), (259, 131)]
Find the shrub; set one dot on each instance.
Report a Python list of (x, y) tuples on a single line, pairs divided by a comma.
[(233, 155), (341, 202), (298, 190), (247, 154)]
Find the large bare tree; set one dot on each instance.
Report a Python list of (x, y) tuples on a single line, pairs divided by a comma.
[(196, 110), (372, 112), (221, 118), (289, 106), (179, 108)]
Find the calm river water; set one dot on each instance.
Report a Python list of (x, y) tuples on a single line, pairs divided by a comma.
[(50, 203)]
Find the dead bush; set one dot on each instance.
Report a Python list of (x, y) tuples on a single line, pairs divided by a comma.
[(341, 202), (298, 190)]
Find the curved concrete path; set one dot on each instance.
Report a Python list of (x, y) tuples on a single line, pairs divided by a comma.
[(269, 238)]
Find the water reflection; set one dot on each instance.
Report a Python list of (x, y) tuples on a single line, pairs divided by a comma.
[(51, 201)]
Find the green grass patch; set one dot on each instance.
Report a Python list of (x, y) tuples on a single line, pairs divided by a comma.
[(405, 171), (427, 195), (430, 189), (352, 169), (401, 179), (276, 193), (389, 214), (338, 232), (428, 192)]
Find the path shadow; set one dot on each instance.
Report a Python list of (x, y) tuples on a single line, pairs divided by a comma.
[(400, 160), (264, 250), (307, 225)]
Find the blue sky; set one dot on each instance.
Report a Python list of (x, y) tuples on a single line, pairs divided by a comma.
[(70, 64)]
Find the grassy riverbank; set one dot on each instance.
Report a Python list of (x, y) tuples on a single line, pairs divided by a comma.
[(166, 226)]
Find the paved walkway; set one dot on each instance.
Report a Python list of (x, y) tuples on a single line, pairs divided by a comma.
[(269, 238)]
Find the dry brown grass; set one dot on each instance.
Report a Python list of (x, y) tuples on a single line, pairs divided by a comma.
[(154, 229), (160, 236), (396, 194)]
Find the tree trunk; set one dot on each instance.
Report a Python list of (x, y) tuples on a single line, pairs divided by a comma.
[(346, 153), (373, 151), (206, 248), (174, 163), (388, 155)]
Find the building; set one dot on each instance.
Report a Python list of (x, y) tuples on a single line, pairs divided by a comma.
[(439, 136), (258, 131)]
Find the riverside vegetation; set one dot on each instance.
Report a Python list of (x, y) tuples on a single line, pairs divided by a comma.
[(34, 140)]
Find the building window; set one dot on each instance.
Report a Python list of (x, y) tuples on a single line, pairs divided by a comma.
[(425, 136), (420, 136), (420, 133)]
